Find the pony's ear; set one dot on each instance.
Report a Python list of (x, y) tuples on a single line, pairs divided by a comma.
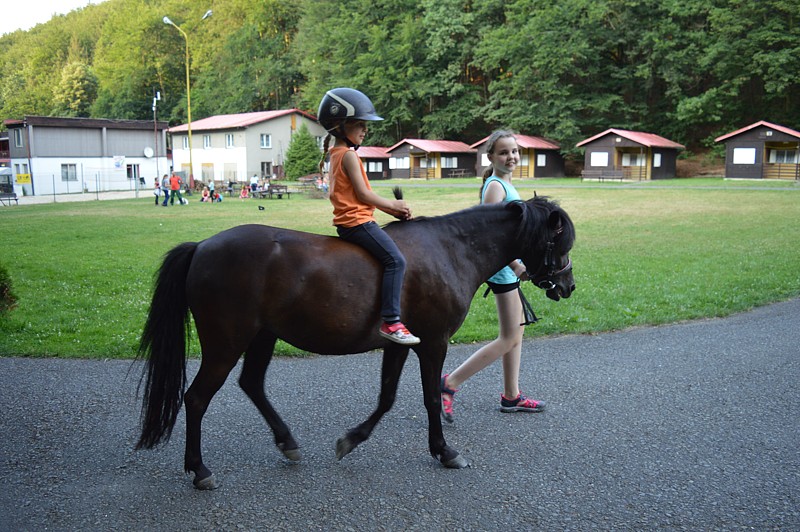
[(554, 222)]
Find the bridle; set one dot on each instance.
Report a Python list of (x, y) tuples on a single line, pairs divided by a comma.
[(547, 280)]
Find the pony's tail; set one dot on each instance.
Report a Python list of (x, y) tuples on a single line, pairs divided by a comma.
[(163, 345)]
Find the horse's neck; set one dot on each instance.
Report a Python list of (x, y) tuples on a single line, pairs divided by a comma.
[(479, 242)]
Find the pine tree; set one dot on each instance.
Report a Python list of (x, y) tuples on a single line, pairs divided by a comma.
[(302, 155)]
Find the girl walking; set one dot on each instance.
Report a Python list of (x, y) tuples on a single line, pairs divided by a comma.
[(503, 154), (344, 113)]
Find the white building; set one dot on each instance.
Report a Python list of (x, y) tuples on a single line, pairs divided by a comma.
[(50, 155), (234, 147)]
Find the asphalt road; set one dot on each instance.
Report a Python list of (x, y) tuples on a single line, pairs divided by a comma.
[(691, 426)]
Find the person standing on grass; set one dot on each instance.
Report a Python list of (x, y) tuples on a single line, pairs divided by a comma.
[(175, 189), (503, 154), (344, 114), (165, 189), (157, 189)]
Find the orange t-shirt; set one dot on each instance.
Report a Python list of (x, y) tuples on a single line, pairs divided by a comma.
[(348, 210)]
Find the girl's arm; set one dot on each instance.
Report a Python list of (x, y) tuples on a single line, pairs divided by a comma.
[(352, 167)]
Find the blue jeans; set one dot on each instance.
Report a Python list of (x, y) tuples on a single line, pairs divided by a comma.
[(374, 239), (166, 196)]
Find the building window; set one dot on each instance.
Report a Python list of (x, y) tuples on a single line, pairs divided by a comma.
[(266, 140), (133, 171), (185, 142), (18, 138), (632, 159), (656, 160), (69, 172), (320, 142), (266, 169), (598, 158), (206, 141), (541, 159), (374, 166), (744, 156), (449, 162), (399, 163), (229, 140), (783, 156)]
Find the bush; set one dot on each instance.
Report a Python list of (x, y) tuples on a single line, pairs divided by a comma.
[(7, 298)]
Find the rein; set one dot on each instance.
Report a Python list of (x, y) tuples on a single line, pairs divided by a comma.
[(546, 281)]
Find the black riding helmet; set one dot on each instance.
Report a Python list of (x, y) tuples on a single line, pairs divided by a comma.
[(342, 104)]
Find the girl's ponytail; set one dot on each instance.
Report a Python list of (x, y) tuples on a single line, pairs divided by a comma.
[(325, 144)]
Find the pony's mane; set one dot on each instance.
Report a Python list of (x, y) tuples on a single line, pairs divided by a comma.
[(534, 214)]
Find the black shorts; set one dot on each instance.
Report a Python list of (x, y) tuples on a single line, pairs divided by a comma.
[(502, 288)]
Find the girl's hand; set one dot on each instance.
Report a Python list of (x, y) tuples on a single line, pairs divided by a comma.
[(519, 270), (400, 210)]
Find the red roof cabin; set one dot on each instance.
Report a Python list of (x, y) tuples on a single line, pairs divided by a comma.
[(762, 151), (376, 161), (431, 159), (538, 157), (632, 155)]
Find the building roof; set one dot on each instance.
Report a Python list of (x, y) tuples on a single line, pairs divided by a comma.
[(528, 141), (435, 146), (776, 127), (645, 139), (373, 152), (237, 121), (56, 121)]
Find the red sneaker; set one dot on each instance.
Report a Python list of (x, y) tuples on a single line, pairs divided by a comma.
[(398, 333), (520, 404)]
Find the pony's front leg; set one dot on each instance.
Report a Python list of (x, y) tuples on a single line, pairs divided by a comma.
[(394, 358), (431, 361)]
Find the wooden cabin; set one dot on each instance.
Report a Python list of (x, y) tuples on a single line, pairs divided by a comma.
[(376, 161), (431, 159), (762, 151), (538, 157), (631, 155)]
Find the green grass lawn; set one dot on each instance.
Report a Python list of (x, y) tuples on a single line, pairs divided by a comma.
[(648, 253)]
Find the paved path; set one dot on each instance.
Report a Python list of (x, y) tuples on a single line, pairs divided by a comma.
[(690, 426)]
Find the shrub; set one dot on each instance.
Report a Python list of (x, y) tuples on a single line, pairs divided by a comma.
[(7, 298)]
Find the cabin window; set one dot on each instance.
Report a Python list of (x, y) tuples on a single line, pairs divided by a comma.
[(186, 143), (744, 156), (783, 156), (541, 159), (449, 162), (18, 138), (266, 140), (229, 140), (632, 159), (399, 163), (69, 172), (598, 158), (206, 141), (375, 166), (656, 160)]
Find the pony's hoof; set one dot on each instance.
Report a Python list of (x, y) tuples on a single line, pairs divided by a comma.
[(457, 462), (292, 453), (208, 483), (343, 447)]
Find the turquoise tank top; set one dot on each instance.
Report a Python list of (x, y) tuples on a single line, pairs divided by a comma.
[(506, 275)]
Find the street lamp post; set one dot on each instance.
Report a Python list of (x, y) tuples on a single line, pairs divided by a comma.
[(188, 93)]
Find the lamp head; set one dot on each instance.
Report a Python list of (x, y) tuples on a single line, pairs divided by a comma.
[(208, 14), (167, 21)]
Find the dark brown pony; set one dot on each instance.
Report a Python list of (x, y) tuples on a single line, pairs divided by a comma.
[(251, 285)]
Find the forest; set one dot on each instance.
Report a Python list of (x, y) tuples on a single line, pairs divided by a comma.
[(688, 70)]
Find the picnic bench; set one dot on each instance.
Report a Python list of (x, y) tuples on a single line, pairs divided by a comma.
[(8, 196), (601, 175), (277, 190), (457, 172)]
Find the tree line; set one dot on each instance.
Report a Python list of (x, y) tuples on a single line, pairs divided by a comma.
[(688, 70)]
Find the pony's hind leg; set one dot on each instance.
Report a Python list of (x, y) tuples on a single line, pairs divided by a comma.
[(256, 360), (394, 358), (214, 369)]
